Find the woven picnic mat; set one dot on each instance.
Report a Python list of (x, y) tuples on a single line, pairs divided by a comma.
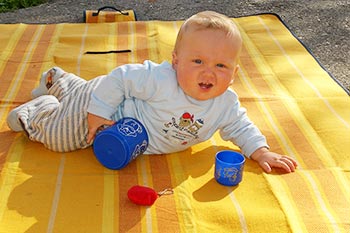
[(287, 93)]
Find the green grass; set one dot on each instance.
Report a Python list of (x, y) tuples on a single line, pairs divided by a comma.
[(11, 5)]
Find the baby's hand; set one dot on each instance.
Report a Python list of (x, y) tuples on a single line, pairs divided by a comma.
[(267, 160), (94, 123)]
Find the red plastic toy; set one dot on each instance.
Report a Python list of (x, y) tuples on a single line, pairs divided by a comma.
[(142, 195)]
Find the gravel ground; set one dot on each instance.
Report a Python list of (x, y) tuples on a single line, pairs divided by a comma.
[(322, 25)]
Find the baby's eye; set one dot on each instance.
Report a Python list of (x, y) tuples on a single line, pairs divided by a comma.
[(197, 61), (220, 65)]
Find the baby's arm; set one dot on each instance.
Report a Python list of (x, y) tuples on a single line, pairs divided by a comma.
[(94, 123), (125, 82), (267, 160)]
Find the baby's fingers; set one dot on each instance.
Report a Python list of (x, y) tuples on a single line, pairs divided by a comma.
[(285, 163), (291, 163), (91, 135), (266, 167)]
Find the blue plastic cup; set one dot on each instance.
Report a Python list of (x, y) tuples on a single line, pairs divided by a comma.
[(116, 146), (229, 167)]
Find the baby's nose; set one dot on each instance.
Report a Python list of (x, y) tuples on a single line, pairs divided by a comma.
[(208, 73)]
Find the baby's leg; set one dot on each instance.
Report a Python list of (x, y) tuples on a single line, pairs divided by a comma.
[(61, 127), (57, 82), (46, 81), (19, 118), (66, 85), (71, 127)]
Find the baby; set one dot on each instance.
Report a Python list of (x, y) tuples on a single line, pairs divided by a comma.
[(180, 104)]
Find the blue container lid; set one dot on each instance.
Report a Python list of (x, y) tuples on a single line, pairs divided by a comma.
[(229, 157), (111, 150)]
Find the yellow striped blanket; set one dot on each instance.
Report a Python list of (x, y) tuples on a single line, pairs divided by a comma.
[(295, 103)]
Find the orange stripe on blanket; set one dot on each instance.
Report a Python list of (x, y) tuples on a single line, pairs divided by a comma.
[(122, 43), (148, 222), (16, 58), (152, 37), (283, 194), (165, 205), (9, 43), (36, 61), (338, 199), (142, 52), (129, 213), (308, 207), (181, 191)]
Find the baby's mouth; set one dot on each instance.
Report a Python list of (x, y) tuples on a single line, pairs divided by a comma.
[(205, 86)]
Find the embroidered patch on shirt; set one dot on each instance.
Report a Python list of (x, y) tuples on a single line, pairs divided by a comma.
[(184, 130)]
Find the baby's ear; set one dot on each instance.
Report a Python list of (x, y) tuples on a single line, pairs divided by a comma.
[(236, 70), (174, 60)]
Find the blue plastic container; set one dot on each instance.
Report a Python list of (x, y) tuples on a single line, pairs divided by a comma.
[(229, 167), (116, 146)]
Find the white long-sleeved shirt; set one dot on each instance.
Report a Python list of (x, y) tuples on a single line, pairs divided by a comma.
[(174, 121)]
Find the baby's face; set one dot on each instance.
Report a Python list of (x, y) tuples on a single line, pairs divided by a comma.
[(205, 63)]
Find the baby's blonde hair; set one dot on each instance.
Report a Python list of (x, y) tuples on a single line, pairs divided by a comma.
[(209, 20)]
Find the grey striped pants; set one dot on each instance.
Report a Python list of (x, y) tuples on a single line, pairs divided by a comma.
[(59, 119)]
